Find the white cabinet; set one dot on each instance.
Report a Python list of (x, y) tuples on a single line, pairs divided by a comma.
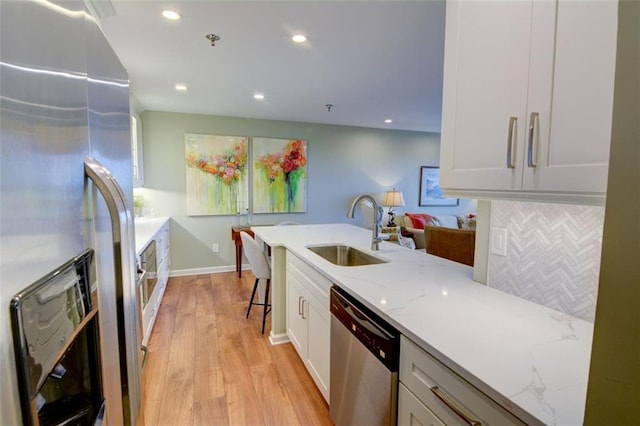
[(296, 323), (528, 82), (309, 319), (163, 265), (136, 151), (431, 393), (163, 256)]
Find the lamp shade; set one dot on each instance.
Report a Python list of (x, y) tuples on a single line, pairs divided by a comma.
[(393, 199)]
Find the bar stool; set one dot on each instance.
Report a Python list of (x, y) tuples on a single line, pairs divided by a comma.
[(261, 269)]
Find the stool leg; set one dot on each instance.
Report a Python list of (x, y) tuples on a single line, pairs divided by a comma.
[(253, 293), (266, 303)]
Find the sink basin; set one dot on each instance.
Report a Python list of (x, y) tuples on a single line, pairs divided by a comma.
[(342, 255)]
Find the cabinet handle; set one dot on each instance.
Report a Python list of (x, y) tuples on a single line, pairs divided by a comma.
[(145, 356), (532, 127), (303, 300), (300, 305), (513, 121), (449, 402)]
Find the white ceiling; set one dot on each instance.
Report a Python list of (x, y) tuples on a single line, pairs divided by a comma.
[(372, 60)]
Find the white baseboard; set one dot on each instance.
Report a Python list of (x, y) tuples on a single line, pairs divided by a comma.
[(278, 339), (202, 271)]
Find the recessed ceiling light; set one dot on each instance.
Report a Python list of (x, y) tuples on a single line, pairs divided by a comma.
[(258, 96), (388, 120), (181, 87), (299, 38), (171, 15)]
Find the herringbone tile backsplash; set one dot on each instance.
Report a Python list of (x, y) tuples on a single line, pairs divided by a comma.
[(553, 254)]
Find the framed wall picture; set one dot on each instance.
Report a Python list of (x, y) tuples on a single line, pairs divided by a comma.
[(216, 174), (279, 175), (430, 191)]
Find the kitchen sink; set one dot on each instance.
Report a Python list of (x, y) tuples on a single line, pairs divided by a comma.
[(343, 255)]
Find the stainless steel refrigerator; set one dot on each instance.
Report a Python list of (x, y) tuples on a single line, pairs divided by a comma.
[(66, 182)]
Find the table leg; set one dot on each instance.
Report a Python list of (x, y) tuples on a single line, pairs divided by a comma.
[(239, 260)]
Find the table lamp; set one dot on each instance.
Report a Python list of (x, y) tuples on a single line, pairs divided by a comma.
[(392, 199)]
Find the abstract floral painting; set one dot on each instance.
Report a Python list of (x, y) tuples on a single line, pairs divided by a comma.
[(216, 174), (279, 176)]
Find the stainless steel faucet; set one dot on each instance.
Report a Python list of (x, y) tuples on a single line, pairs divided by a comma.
[(377, 218)]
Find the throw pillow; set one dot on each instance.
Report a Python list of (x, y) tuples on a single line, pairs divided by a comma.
[(447, 221), (419, 220), (467, 221)]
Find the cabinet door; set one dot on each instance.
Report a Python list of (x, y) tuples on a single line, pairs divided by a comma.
[(319, 341), (136, 151), (296, 325), (162, 242), (163, 259), (149, 315), (412, 412), (572, 136), (486, 70)]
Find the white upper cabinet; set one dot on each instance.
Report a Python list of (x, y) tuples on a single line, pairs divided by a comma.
[(136, 151), (528, 98)]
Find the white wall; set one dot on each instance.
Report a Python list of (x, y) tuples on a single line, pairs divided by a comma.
[(343, 162)]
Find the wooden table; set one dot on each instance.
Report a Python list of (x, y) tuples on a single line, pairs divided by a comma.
[(235, 236)]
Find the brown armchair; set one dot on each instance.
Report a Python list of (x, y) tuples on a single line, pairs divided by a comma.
[(455, 244)]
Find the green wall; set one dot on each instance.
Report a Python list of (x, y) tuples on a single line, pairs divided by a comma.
[(343, 163)]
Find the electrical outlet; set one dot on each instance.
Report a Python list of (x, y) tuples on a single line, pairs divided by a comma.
[(215, 247), (499, 241)]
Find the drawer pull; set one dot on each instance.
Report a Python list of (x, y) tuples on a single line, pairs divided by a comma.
[(513, 122), (449, 402)]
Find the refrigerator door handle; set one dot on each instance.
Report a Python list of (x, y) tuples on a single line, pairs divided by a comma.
[(125, 264), (112, 193)]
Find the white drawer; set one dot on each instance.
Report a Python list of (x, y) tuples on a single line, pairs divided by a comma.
[(412, 412), (428, 379), (317, 284)]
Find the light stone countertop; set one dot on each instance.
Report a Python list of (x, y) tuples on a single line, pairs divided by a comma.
[(532, 360), (146, 229)]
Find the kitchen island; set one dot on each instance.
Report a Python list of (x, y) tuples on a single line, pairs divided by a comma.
[(532, 360)]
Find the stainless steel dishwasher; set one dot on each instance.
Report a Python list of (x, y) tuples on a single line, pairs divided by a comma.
[(364, 364)]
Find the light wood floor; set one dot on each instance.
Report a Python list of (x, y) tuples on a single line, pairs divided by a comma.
[(208, 365)]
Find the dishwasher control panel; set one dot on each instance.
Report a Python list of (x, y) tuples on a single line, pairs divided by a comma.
[(380, 338)]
